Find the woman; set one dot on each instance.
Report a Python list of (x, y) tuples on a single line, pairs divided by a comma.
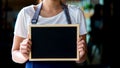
[(51, 13)]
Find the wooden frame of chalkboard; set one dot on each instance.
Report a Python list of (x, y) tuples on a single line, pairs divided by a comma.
[(56, 42)]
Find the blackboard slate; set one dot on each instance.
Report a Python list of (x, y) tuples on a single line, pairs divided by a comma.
[(54, 42)]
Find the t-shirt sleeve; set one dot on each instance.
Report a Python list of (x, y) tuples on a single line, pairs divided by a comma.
[(20, 25), (81, 20)]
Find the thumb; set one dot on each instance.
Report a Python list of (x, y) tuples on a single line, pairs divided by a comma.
[(29, 36)]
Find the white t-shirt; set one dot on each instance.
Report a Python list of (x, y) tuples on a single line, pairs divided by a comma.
[(26, 14)]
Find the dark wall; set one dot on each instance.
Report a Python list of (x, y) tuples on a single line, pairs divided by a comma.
[(111, 25), (6, 35)]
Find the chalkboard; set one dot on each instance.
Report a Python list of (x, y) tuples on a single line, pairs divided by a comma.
[(54, 42)]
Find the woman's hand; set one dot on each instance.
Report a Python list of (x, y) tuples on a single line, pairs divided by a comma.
[(81, 43), (25, 48)]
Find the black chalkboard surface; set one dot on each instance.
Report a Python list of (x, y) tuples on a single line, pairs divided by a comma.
[(54, 42)]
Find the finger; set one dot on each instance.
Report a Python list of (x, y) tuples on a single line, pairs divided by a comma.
[(81, 52), (25, 46), (79, 39), (80, 42), (81, 46), (29, 48), (81, 49), (26, 42), (25, 51), (29, 42), (28, 36)]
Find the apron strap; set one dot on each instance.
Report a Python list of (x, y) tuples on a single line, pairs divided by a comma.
[(67, 14), (36, 14)]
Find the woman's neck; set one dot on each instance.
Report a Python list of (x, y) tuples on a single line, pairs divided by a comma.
[(51, 4), (50, 8)]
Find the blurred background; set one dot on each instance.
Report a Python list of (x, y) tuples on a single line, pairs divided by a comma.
[(102, 25)]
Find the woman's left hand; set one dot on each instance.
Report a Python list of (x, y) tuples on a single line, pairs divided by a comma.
[(81, 45)]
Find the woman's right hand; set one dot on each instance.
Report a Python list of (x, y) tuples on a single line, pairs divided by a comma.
[(25, 48)]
